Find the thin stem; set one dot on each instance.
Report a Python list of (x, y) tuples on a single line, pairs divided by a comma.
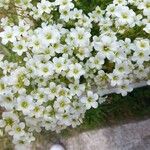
[(5, 50)]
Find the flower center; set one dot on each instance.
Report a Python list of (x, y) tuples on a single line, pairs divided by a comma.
[(45, 69), (75, 71), (24, 104), (62, 104), (9, 121), (106, 48), (125, 16), (80, 36), (148, 5), (20, 47), (18, 129), (48, 36)]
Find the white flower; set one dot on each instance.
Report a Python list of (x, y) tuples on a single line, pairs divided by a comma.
[(44, 6), (82, 52), (124, 89), (7, 101), (49, 114), (140, 56), (84, 21), (40, 96), (77, 88), (63, 3), (147, 28), (65, 14), (101, 100), (97, 14), (124, 15), (49, 35), (24, 4), (5, 22), (110, 10), (120, 55), (25, 104), (7, 67), (64, 119), (106, 47), (76, 14), (37, 111), (115, 79), (7, 35), (46, 69), (134, 2), (36, 44), (21, 29), (142, 44), (120, 2), (20, 47), (49, 51), (59, 64), (96, 62), (33, 124), (126, 45), (53, 89), (62, 104), (19, 80), (101, 79), (76, 71), (17, 130), (145, 6), (122, 68), (8, 120), (62, 91), (35, 13), (90, 100), (80, 36), (24, 141)]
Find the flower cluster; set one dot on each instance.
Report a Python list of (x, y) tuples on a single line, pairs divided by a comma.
[(55, 60)]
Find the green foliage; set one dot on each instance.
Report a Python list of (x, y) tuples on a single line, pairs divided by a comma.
[(89, 5), (118, 109)]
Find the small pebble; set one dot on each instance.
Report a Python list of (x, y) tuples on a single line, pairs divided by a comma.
[(57, 147)]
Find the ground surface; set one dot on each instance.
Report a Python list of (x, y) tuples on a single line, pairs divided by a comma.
[(132, 136)]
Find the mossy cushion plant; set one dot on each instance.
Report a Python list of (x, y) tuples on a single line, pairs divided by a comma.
[(57, 58)]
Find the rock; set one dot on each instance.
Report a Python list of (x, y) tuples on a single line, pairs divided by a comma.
[(130, 136)]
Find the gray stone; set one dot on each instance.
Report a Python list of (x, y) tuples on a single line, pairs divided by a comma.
[(130, 136)]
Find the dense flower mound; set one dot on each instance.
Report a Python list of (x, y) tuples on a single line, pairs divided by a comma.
[(55, 54)]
